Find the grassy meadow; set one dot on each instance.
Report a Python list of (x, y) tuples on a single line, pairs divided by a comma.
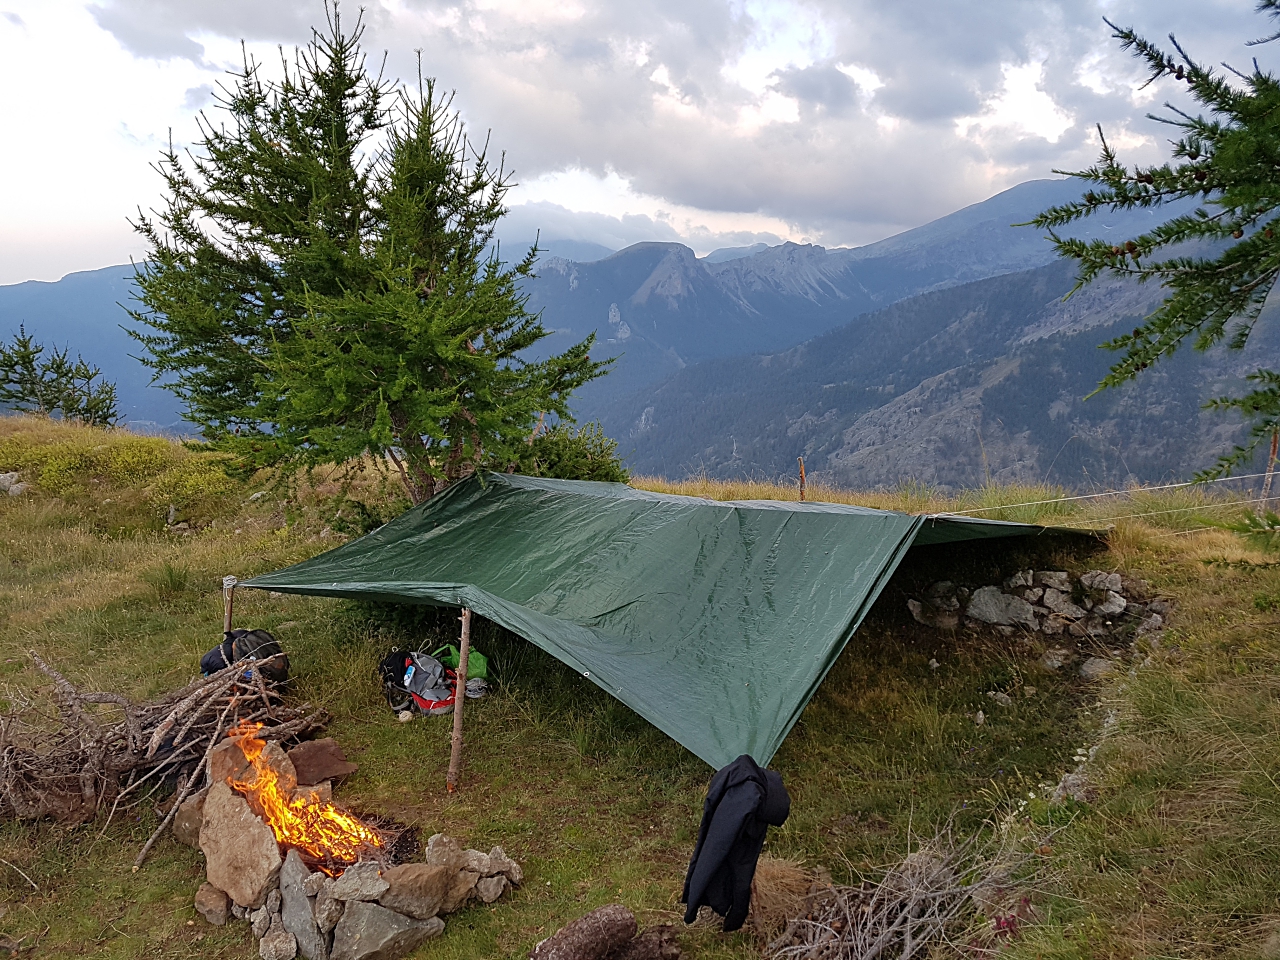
[(1179, 856)]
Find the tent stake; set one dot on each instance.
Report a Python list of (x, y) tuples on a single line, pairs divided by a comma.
[(459, 697), (801, 461), (228, 600)]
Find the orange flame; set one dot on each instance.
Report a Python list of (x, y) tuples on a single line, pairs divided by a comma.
[(317, 828)]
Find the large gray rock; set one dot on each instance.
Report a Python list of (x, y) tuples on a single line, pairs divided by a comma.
[(240, 851), (296, 909), (370, 932), (7, 480), (477, 862), (278, 943), (992, 605), (360, 881), (417, 890), (1095, 668)]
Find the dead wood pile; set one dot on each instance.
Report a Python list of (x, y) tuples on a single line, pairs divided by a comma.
[(939, 893), (103, 750)]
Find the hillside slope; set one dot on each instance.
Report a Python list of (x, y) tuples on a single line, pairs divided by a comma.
[(957, 387)]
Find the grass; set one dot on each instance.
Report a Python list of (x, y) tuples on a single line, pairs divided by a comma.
[(1176, 858)]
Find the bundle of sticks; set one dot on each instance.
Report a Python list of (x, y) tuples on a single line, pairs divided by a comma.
[(102, 750), (921, 903)]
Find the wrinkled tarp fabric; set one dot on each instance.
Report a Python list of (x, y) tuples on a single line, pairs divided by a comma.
[(715, 621)]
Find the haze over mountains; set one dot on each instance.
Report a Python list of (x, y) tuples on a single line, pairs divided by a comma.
[(944, 355)]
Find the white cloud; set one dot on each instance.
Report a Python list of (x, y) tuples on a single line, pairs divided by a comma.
[(837, 120)]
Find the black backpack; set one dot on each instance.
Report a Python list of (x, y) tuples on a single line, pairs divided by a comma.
[(248, 645)]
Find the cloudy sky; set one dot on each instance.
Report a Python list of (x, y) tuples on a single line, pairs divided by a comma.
[(717, 122)]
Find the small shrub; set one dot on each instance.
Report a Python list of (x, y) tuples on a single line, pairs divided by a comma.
[(567, 454)]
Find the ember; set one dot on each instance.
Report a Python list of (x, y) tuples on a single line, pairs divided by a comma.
[(328, 836)]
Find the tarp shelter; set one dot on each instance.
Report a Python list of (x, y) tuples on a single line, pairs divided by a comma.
[(715, 621)]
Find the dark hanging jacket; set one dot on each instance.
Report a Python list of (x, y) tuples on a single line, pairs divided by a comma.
[(742, 801)]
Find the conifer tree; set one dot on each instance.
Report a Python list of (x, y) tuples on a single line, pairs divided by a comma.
[(323, 279), (1219, 262), (51, 383)]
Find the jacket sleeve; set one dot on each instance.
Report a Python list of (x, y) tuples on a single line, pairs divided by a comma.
[(710, 880)]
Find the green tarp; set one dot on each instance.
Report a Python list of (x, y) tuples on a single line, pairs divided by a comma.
[(715, 621)]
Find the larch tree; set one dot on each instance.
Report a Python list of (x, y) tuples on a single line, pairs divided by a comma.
[(323, 279), (1219, 262)]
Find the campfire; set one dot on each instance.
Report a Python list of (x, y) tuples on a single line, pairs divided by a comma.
[(327, 837)]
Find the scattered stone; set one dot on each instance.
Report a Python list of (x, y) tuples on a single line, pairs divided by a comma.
[(1055, 658), (503, 864), (212, 904), (1023, 578), (186, 822), (1113, 604), (445, 851), (1073, 786), (18, 489), (1003, 699), (931, 615), (417, 890), (370, 932), (594, 935), (1053, 626), (1150, 625), (1161, 607), (979, 719), (1095, 668), (489, 889), (989, 605), (1033, 594), (1029, 691), (1060, 603), (7, 480), (360, 881), (241, 854), (1101, 580), (462, 887), (314, 884), (318, 760), (239, 912), (328, 910), (295, 908), (1134, 588), (260, 922), (1058, 580), (934, 664), (477, 862), (279, 943)]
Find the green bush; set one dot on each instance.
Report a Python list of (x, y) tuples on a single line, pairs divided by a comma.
[(568, 454)]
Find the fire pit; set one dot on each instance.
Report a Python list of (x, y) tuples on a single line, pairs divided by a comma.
[(315, 880), (328, 838)]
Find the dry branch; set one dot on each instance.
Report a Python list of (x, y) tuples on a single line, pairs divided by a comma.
[(70, 765)]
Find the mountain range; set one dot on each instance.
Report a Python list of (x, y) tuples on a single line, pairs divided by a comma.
[(945, 354)]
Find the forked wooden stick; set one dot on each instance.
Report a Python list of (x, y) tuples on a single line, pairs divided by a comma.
[(459, 695)]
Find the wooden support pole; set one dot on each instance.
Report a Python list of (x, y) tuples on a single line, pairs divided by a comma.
[(801, 461), (228, 601), (460, 696), (1271, 470)]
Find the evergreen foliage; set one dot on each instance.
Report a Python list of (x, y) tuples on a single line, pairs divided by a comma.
[(52, 384), (323, 279), (1217, 263), (568, 454)]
